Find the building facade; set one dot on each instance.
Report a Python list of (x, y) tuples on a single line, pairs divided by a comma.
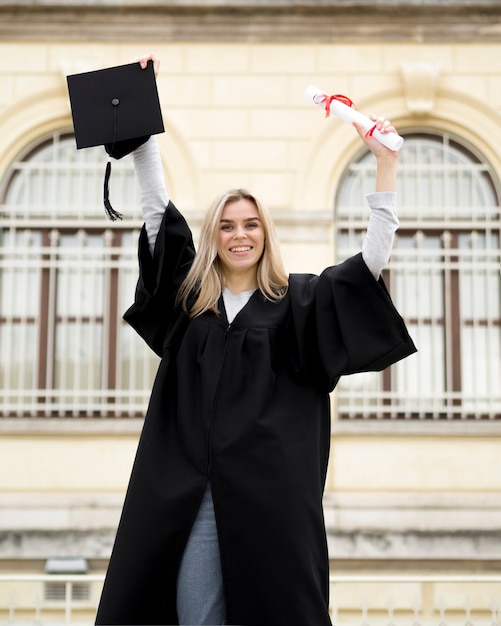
[(415, 476)]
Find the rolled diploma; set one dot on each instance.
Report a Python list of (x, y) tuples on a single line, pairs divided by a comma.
[(350, 115)]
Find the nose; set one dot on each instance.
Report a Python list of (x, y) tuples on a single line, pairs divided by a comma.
[(239, 233)]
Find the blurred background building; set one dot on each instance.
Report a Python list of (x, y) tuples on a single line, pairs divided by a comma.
[(414, 487)]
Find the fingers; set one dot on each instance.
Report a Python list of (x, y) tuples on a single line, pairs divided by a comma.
[(143, 62), (383, 125)]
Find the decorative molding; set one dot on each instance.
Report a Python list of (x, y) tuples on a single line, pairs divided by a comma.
[(420, 80), (258, 4), (257, 21)]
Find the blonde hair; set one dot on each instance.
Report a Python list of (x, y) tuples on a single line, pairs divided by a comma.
[(202, 287)]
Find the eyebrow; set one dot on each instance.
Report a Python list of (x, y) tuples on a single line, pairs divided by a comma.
[(247, 219)]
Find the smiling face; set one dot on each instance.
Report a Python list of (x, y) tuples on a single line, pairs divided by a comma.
[(240, 242)]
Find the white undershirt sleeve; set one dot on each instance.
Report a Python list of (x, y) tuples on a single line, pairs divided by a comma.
[(154, 197), (376, 248), (383, 222)]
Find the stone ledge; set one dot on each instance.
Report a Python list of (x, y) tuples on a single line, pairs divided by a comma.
[(287, 21), (70, 426), (259, 4), (347, 546), (411, 512), (132, 426), (418, 427), (36, 544), (450, 546)]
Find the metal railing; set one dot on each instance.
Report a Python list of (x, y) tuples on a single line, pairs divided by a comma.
[(49, 599), (358, 600), (416, 600)]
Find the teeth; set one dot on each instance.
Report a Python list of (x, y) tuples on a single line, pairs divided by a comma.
[(241, 249)]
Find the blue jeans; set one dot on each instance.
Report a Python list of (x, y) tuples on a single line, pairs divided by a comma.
[(200, 597)]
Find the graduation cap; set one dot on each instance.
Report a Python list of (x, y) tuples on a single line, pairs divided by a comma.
[(117, 107)]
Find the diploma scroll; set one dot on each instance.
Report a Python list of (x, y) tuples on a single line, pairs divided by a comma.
[(350, 115)]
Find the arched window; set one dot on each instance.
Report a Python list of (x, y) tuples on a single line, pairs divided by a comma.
[(444, 277), (67, 274)]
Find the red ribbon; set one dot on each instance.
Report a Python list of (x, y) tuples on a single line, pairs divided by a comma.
[(371, 131), (340, 98), (348, 102)]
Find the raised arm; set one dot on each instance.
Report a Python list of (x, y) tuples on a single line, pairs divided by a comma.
[(154, 196), (383, 221), (148, 165)]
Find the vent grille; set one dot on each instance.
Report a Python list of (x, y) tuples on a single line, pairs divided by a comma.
[(56, 591)]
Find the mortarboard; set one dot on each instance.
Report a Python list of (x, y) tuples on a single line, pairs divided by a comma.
[(117, 107)]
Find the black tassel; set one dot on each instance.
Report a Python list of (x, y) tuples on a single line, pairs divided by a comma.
[(110, 211)]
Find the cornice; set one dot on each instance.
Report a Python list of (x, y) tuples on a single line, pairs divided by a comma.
[(282, 21), (394, 5)]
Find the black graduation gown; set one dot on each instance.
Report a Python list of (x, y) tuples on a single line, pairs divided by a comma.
[(245, 406)]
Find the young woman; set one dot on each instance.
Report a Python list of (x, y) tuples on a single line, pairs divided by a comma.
[(223, 519)]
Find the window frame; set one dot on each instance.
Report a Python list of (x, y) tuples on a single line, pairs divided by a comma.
[(386, 403), (112, 397)]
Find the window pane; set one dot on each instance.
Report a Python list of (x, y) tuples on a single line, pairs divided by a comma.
[(56, 180), (416, 280), (80, 275), (80, 316), (20, 260), (136, 365), (439, 179), (480, 305)]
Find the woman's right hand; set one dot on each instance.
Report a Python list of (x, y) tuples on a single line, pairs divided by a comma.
[(143, 62)]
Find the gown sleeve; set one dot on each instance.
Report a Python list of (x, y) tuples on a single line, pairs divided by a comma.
[(154, 312), (344, 322)]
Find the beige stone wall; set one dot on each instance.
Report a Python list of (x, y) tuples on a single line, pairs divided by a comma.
[(235, 115)]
